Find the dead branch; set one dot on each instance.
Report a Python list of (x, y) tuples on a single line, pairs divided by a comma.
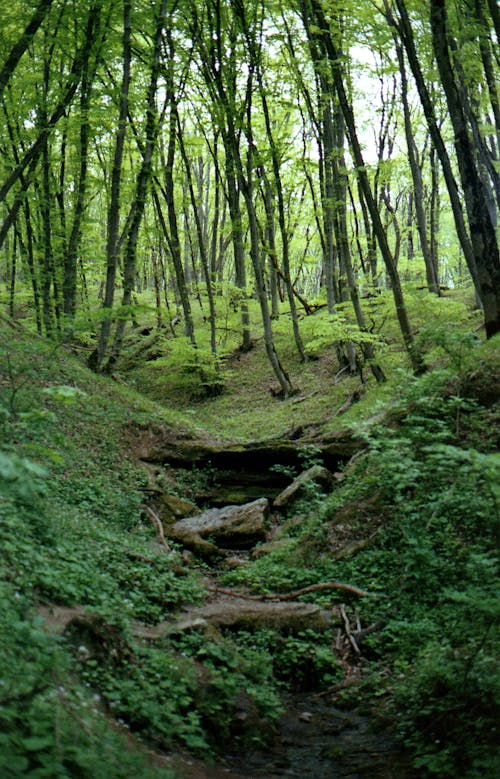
[(325, 586), (304, 397), (233, 594), (354, 397), (296, 593), (155, 519), (348, 631)]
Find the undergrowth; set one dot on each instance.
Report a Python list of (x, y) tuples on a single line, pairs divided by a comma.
[(422, 505), (76, 690), (427, 497)]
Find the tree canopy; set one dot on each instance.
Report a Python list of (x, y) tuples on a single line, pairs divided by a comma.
[(294, 151)]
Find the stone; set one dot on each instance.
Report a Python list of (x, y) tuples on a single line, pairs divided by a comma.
[(317, 474), (229, 527), (171, 507)]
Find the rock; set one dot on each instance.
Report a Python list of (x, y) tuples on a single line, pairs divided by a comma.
[(171, 508), (229, 527), (317, 474), (162, 443)]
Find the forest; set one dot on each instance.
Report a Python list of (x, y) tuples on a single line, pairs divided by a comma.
[(249, 389)]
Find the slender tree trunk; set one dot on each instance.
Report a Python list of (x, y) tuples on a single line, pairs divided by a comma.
[(416, 174), (172, 233), (237, 236), (47, 264), (405, 31), (247, 189), (71, 258), (157, 287), (337, 79), (113, 219), (22, 44), (285, 243), (201, 240), (435, 207), (30, 259), (270, 245), (483, 235), (143, 182)]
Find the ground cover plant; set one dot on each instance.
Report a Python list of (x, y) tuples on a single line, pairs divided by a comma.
[(414, 522), (266, 233), (427, 496)]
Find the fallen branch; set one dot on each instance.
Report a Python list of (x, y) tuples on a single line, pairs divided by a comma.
[(233, 594), (296, 593), (304, 397), (354, 397), (155, 519), (325, 586), (349, 634)]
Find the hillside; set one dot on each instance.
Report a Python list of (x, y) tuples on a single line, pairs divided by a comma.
[(399, 552)]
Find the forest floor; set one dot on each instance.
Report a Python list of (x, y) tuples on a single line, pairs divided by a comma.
[(93, 683)]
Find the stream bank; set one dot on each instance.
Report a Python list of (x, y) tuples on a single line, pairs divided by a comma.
[(316, 736)]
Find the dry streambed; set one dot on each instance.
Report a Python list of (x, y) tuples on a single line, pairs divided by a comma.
[(314, 739)]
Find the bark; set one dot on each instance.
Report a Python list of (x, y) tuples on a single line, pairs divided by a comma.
[(314, 8), (172, 232), (368, 349), (157, 287), (47, 264), (416, 174), (483, 235), (246, 185), (495, 15), (71, 258), (221, 83), (270, 248), (195, 202), (405, 31), (285, 244), (435, 207), (143, 182), (22, 44), (113, 217)]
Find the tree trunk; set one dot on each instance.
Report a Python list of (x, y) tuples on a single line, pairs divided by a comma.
[(483, 235), (143, 182), (113, 218), (71, 258), (405, 31), (337, 79), (201, 240), (24, 41), (416, 174)]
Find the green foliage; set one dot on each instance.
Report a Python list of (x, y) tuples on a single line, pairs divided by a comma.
[(430, 500), (321, 333), (72, 535), (300, 661), (184, 369)]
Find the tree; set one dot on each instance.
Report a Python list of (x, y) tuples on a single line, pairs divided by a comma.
[(312, 14), (482, 229)]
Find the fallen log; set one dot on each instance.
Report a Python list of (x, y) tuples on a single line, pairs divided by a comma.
[(241, 613)]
